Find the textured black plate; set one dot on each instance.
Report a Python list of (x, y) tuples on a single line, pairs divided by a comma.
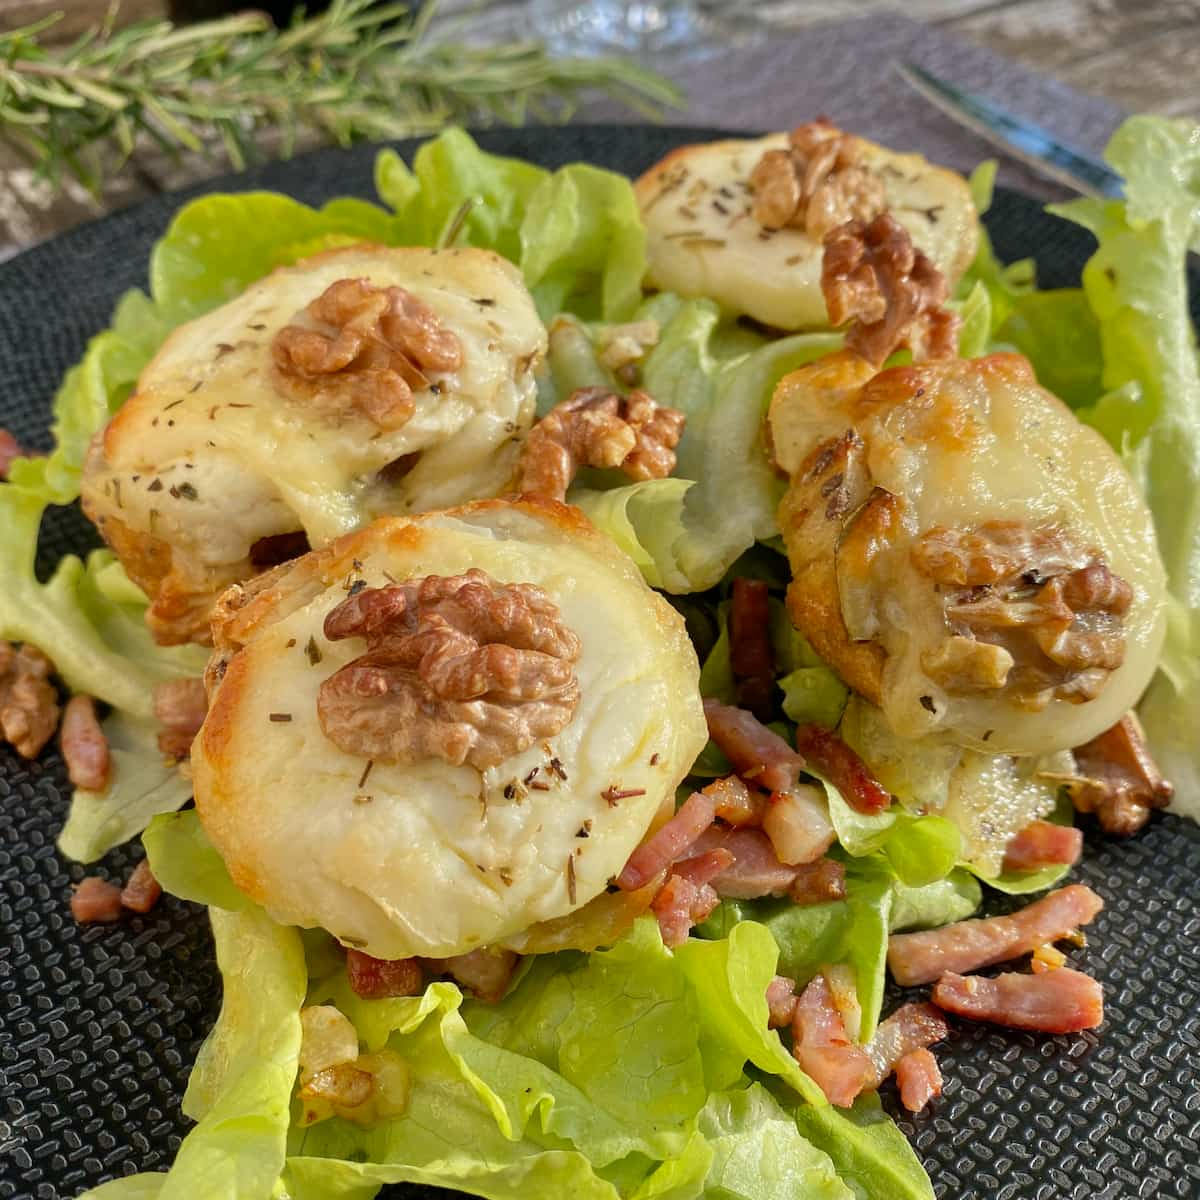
[(99, 1026)]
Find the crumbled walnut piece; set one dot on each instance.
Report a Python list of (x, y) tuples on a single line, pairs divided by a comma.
[(962, 664), (816, 184), (1117, 778), (623, 345), (598, 428), (370, 347), (28, 702), (460, 668), (892, 294), (994, 551), (1038, 593)]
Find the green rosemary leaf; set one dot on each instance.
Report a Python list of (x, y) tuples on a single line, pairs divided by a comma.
[(358, 70)]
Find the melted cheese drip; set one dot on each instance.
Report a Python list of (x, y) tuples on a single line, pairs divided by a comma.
[(960, 443), (210, 454), (703, 239), (433, 859)]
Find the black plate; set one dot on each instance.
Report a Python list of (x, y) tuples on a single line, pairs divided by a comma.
[(99, 1026)]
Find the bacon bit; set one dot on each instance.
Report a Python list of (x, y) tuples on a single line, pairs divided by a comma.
[(797, 822), (686, 898), (378, 978), (1118, 779), (756, 871), (911, 1027), (1043, 844), (968, 945), (486, 971), (96, 899), (10, 448), (1062, 1001), (181, 706), (84, 746), (141, 891), (668, 843), (736, 803), (1047, 958), (843, 768), (919, 1079), (781, 1001), (819, 882), (822, 1048), (756, 752), (750, 652)]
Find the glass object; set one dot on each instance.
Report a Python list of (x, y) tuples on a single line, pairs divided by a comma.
[(652, 31)]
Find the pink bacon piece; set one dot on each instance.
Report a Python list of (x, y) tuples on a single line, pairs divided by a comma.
[(381, 978), (821, 1046), (180, 706), (759, 755), (1043, 844), (84, 746), (96, 899), (669, 842), (485, 973), (687, 898), (919, 1079), (141, 891), (1062, 1001), (10, 448), (911, 1027), (736, 803), (843, 768), (755, 870), (781, 1002), (751, 657), (968, 945), (819, 882)]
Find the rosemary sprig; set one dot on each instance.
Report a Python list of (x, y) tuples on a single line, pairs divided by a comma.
[(359, 70)]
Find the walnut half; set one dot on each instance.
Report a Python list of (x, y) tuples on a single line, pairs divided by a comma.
[(598, 428), (459, 667), (367, 349), (1031, 611), (816, 184), (892, 294), (29, 709)]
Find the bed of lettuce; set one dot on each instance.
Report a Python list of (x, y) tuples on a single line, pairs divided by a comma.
[(632, 1072)]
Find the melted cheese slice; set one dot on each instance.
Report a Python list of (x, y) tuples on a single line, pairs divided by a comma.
[(434, 859), (960, 443), (211, 453), (703, 239)]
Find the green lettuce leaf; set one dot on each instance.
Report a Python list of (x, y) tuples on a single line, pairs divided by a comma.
[(870, 1153), (685, 532), (240, 1089), (141, 785), (576, 233), (186, 864), (1136, 286), (1057, 331), (1002, 284), (760, 1154), (97, 639), (854, 930)]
